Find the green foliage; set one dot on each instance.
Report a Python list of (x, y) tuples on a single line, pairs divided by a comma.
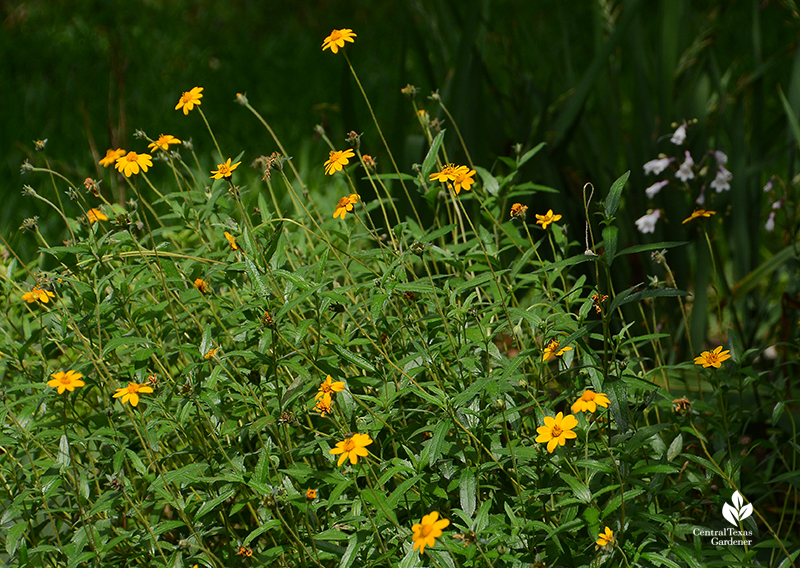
[(504, 377)]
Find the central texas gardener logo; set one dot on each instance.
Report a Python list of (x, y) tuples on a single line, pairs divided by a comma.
[(738, 512)]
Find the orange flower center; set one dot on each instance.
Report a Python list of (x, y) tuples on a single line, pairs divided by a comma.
[(344, 202), (132, 387), (131, 157), (65, 380), (426, 530), (588, 396), (556, 431), (325, 387), (349, 445)]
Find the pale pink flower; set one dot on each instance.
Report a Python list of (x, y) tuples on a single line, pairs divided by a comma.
[(685, 172), (655, 188), (657, 166), (679, 136), (722, 181), (720, 157), (770, 224), (647, 223)]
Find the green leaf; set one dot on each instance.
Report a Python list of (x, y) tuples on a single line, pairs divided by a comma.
[(610, 243), (63, 459), (437, 441), (580, 490), (354, 542), (625, 297), (209, 506), (615, 193), (652, 246), (356, 360), (468, 490), (675, 447), (14, 537), (430, 158), (530, 154), (790, 115), (489, 181), (255, 277)]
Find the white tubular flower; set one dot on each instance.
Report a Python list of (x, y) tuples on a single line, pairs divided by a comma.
[(685, 172), (657, 166), (722, 181), (679, 136), (647, 223), (655, 188), (770, 224), (720, 157)]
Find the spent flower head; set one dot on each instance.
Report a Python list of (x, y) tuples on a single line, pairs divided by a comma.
[(336, 40), (518, 211), (189, 99)]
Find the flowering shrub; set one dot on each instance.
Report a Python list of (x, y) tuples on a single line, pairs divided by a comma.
[(482, 377)]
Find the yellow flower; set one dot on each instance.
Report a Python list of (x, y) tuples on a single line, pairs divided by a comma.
[(712, 358), (38, 293), (189, 99), (328, 387), (589, 401), (111, 157), (324, 406), (131, 393), (552, 350), (463, 179), (352, 447), (556, 430), (448, 173), (698, 213), (337, 39), (232, 241), (338, 159), (132, 162), (311, 494), (224, 170), (211, 352), (345, 204), (518, 211), (163, 142), (201, 285), (65, 381), (606, 537), (546, 219), (427, 531), (95, 215)]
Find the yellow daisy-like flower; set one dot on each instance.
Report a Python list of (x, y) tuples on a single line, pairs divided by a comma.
[(111, 157), (163, 143), (328, 387), (224, 170), (311, 494), (589, 401), (448, 173), (232, 241), (518, 211), (337, 38), (345, 204), (698, 213), (211, 352), (189, 99), (427, 531), (324, 406), (556, 431), (353, 447), (606, 537), (65, 381), (95, 215), (546, 219), (131, 163), (131, 393), (552, 350), (38, 293), (463, 179), (202, 286), (336, 160), (712, 358)]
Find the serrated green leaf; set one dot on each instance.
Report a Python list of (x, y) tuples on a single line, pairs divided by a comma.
[(209, 506), (468, 490)]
